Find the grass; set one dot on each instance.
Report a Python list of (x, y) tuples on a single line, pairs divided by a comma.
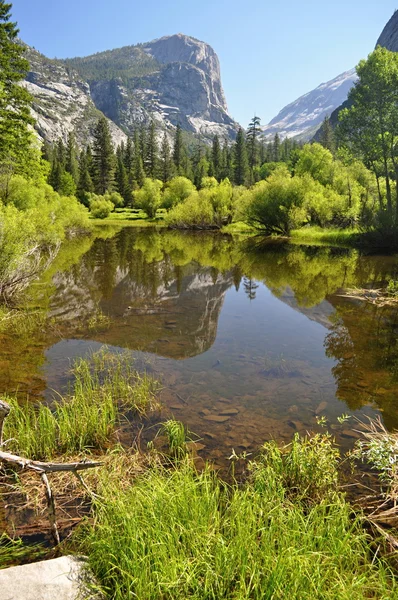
[(132, 217), (14, 551), (344, 237), (106, 387), (239, 227), (287, 533)]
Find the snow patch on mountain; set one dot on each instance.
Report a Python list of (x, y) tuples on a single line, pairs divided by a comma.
[(303, 116)]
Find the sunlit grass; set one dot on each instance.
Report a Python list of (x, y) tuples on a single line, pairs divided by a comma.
[(326, 235), (287, 533), (106, 387)]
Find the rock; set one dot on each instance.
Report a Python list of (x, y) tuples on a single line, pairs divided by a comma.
[(348, 433), (321, 407), (181, 85), (205, 412), (58, 579), (229, 412), (216, 418), (62, 102)]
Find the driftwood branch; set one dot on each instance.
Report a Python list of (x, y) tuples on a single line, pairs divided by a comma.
[(46, 467), (43, 468)]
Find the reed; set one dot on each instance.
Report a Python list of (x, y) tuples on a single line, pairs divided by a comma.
[(178, 534), (106, 387)]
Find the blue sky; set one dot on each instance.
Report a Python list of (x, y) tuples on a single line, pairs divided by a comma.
[(270, 52)]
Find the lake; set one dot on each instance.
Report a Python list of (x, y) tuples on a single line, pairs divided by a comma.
[(251, 340)]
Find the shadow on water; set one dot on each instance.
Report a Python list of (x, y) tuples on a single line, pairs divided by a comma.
[(251, 341)]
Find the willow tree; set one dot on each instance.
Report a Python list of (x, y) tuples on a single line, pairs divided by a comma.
[(370, 126)]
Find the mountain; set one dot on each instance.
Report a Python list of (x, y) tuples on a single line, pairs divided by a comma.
[(302, 117), (174, 79), (62, 101), (389, 36)]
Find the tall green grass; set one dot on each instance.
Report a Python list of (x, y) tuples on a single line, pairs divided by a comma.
[(106, 387), (286, 534), (345, 237)]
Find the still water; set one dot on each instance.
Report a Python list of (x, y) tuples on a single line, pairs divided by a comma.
[(251, 341)]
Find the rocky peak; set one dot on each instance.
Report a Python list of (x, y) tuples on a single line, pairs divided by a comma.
[(389, 36), (185, 49)]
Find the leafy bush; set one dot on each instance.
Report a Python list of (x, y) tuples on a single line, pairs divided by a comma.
[(209, 208), (149, 197), (34, 219), (177, 190), (100, 207)]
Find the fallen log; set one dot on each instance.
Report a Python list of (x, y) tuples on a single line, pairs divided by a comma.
[(42, 468)]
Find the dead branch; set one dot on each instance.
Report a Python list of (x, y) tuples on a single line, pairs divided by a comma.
[(43, 468)]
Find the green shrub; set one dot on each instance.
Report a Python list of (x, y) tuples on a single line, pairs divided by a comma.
[(149, 197), (177, 190), (100, 207)]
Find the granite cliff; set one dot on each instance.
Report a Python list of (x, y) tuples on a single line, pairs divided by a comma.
[(173, 80)]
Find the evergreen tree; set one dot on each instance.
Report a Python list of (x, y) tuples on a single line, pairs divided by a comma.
[(138, 167), (216, 158), (263, 152), (85, 184), (15, 118), (71, 162), (166, 163), (90, 162), (326, 136), (253, 131), (128, 156), (276, 149), (227, 171), (241, 166), (152, 152), (178, 150), (143, 146), (121, 178), (103, 157)]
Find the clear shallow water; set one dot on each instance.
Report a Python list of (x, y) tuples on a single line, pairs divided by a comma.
[(250, 341)]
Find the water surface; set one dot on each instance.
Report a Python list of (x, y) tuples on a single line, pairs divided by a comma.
[(251, 341)]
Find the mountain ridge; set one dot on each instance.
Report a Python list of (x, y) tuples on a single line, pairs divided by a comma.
[(172, 80)]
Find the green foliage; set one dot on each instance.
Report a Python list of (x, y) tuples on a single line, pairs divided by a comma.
[(177, 190), (181, 534), (176, 437), (209, 208), (100, 206), (15, 118), (370, 127), (105, 388), (149, 197), (103, 157), (34, 220)]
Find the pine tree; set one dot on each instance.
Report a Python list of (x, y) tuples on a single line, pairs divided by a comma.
[(138, 167), (103, 157), (15, 117), (276, 148), (143, 146), (71, 162), (227, 171), (128, 156), (216, 158), (326, 136), (166, 163), (121, 178), (85, 184), (152, 152), (178, 150), (253, 131), (240, 155)]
